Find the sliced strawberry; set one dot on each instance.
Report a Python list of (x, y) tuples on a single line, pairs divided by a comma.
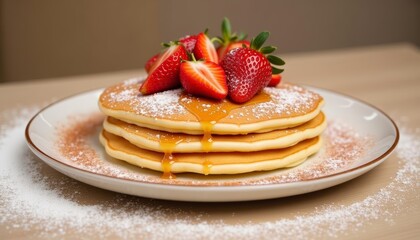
[(150, 62), (164, 73), (275, 80), (204, 78), (204, 49), (248, 70), (189, 42), (224, 49)]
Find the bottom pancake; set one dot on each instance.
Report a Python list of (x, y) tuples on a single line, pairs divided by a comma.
[(210, 163)]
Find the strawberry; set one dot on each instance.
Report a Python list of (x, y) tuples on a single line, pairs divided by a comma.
[(248, 70), (189, 42), (204, 48), (229, 40), (224, 49), (164, 73), (203, 78), (275, 80), (150, 62)]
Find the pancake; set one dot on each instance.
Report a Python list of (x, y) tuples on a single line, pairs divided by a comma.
[(209, 163), (174, 111), (175, 132), (157, 140)]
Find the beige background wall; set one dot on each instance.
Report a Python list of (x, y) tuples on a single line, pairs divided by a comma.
[(50, 38)]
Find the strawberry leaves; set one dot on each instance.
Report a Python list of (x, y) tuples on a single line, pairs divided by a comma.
[(226, 30), (267, 49), (257, 44), (229, 40), (259, 40), (274, 60), (227, 35)]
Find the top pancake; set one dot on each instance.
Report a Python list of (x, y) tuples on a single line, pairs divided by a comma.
[(174, 111)]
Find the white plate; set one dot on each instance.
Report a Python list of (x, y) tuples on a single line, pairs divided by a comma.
[(43, 131)]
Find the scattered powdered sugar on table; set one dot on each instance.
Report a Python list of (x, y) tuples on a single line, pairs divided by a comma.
[(47, 207)]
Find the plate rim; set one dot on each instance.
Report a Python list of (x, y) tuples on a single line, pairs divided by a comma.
[(383, 156)]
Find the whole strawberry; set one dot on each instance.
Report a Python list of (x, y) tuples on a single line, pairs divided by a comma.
[(248, 70), (275, 80)]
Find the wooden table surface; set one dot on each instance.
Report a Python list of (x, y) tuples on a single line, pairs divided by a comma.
[(386, 76)]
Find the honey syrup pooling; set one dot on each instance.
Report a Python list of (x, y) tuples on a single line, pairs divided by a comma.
[(208, 112)]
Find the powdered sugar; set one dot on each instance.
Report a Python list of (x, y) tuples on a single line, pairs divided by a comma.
[(292, 100), (155, 105), (285, 101), (51, 207), (133, 81), (162, 104)]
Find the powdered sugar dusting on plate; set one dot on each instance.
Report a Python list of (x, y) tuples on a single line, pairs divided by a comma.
[(75, 144), (34, 203), (343, 146)]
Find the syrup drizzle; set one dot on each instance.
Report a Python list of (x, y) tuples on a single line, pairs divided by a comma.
[(208, 112), (207, 164), (167, 144)]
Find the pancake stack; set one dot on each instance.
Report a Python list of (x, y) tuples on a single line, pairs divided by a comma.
[(174, 132)]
